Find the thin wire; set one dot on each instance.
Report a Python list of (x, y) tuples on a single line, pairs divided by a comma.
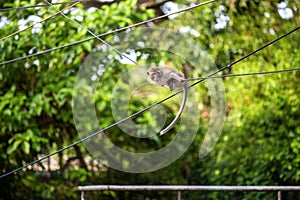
[(19, 31), (248, 74), (93, 34), (264, 46), (147, 108), (107, 33), (254, 73), (249, 54), (37, 6)]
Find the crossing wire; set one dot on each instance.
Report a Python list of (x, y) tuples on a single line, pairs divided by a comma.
[(107, 33), (254, 73), (36, 6), (22, 30), (250, 73), (159, 102), (101, 40)]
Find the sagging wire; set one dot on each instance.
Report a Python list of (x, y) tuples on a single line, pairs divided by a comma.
[(37, 6), (29, 27), (107, 33)]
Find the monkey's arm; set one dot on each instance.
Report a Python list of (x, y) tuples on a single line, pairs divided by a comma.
[(184, 88), (173, 78), (176, 77), (171, 83)]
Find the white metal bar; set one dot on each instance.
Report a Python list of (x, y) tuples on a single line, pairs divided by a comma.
[(186, 188)]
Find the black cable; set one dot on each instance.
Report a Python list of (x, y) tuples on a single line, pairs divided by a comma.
[(107, 33), (32, 25), (264, 46), (147, 108), (94, 35), (38, 6), (249, 54)]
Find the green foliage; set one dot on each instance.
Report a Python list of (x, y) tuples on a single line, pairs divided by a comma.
[(260, 142), (36, 94)]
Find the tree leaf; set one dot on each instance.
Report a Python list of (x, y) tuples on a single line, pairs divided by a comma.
[(13, 147), (26, 147)]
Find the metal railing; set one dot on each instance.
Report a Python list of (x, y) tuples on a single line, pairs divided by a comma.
[(180, 188)]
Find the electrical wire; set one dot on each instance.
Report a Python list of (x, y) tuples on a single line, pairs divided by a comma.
[(248, 74), (107, 33), (93, 34), (159, 102), (37, 6), (252, 73), (249, 54), (19, 31)]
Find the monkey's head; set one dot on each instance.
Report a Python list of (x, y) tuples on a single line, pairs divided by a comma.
[(154, 74)]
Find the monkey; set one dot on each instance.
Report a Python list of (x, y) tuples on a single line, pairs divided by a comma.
[(172, 78)]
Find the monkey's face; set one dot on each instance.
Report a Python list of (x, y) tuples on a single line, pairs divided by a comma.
[(154, 75)]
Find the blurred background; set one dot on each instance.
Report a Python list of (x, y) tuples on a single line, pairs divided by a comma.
[(260, 141)]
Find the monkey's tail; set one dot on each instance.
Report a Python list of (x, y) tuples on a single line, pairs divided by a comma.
[(178, 114)]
